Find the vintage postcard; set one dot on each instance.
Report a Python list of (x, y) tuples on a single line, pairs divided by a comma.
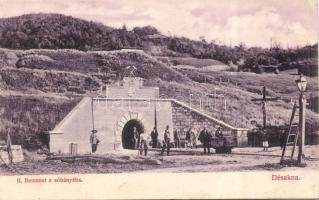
[(134, 99)]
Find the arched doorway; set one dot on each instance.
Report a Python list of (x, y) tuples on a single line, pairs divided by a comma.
[(127, 133)]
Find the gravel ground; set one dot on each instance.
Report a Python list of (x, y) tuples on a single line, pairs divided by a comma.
[(180, 160)]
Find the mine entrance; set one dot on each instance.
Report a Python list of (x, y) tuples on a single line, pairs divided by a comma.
[(127, 133)]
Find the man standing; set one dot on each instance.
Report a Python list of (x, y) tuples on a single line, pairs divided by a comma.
[(167, 141), (176, 139), (144, 139), (94, 141), (188, 138), (135, 138), (205, 138), (154, 136), (193, 137)]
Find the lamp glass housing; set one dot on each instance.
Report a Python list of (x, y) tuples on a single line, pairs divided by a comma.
[(301, 84)]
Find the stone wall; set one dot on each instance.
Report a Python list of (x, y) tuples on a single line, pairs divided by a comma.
[(184, 118), (119, 92), (131, 88)]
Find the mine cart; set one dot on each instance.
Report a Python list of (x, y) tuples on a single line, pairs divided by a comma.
[(223, 144)]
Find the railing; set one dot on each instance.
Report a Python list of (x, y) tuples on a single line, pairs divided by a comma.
[(206, 115)]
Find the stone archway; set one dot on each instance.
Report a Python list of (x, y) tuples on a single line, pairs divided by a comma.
[(127, 133), (123, 126)]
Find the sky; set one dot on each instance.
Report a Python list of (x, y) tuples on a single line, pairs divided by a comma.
[(230, 22)]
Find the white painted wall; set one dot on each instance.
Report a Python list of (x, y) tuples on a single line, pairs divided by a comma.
[(109, 120)]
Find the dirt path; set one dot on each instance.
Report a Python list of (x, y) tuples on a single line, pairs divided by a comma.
[(241, 159), (180, 160)]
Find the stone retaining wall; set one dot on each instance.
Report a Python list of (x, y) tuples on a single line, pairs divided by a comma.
[(185, 118)]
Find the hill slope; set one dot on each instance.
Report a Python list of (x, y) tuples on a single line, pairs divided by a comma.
[(34, 82), (50, 31), (104, 67)]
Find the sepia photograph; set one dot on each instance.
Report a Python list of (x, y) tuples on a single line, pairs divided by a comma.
[(159, 94)]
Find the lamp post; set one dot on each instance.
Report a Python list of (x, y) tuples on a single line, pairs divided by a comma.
[(301, 84)]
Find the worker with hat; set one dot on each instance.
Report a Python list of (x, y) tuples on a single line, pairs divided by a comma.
[(94, 140), (166, 141)]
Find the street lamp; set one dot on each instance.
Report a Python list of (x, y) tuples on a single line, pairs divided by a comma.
[(301, 84)]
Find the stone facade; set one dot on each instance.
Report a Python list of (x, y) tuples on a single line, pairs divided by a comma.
[(131, 88), (110, 115), (126, 105), (185, 117)]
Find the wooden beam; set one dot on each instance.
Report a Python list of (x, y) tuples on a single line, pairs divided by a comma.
[(264, 99)]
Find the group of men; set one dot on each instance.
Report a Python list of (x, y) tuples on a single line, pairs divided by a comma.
[(141, 140), (204, 137)]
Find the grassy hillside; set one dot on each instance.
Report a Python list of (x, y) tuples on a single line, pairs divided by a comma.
[(190, 63), (36, 83), (196, 62), (28, 119), (108, 65), (47, 81)]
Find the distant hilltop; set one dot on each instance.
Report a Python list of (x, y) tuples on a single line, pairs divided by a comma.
[(57, 31)]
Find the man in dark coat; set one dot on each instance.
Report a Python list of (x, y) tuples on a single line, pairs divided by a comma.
[(177, 139), (188, 138), (167, 141), (205, 138), (94, 141), (154, 136)]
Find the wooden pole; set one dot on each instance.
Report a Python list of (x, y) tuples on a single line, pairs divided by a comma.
[(264, 107), (9, 149), (264, 114), (92, 113), (155, 116), (264, 100)]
